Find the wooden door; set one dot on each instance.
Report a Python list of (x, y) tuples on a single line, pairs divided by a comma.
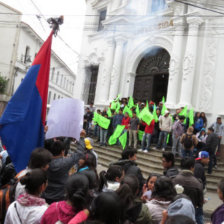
[(143, 87)]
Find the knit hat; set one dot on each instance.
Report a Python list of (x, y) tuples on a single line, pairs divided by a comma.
[(182, 206), (203, 155)]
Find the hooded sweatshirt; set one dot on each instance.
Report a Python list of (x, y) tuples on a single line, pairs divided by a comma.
[(27, 209), (182, 206), (156, 209), (58, 211)]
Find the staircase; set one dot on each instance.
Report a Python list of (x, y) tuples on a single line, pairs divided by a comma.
[(151, 162)]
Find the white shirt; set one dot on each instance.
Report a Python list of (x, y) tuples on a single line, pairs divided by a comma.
[(27, 214)]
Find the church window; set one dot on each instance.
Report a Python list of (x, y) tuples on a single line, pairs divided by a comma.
[(102, 17)]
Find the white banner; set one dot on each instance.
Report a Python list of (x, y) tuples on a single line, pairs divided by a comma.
[(65, 118)]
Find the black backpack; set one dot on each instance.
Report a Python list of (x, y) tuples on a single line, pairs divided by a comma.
[(188, 141)]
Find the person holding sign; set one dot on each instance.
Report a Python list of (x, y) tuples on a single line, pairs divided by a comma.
[(104, 131)]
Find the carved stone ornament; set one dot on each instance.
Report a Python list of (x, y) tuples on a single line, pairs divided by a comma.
[(207, 87), (95, 58), (157, 60), (174, 68), (188, 66), (114, 75)]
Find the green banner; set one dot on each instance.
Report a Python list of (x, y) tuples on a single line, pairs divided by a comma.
[(155, 117), (146, 116), (103, 122), (131, 102), (123, 139), (191, 117), (109, 112), (140, 135), (113, 138), (127, 110)]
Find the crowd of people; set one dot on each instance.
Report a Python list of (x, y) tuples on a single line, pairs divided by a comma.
[(174, 130), (59, 188), (63, 184)]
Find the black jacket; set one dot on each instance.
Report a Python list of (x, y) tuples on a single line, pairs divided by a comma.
[(199, 172), (193, 188), (171, 172), (212, 142), (131, 168)]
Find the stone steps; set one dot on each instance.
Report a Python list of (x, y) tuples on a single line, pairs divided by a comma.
[(151, 163)]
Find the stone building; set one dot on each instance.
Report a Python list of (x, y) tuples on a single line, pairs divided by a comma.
[(19, 44), (154, 48)]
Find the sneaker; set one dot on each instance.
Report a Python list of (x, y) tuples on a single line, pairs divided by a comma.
[(154, 147), (140, 150), (145, 150), (215, 167), (163, 149)]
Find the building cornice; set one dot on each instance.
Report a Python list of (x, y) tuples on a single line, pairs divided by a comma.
[(10, 8), (30, 30), (100, 4)]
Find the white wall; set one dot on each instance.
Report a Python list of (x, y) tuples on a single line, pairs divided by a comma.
[(58, 87), (9, 32)]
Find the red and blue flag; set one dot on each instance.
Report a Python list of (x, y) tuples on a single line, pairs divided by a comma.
[(22, 123)]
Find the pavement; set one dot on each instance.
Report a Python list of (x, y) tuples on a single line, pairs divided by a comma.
[(213, 202)]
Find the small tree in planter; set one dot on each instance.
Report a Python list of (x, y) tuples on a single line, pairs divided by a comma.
[(3, 83)]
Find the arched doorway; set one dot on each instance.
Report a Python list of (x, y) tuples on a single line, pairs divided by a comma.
[(152, 76)]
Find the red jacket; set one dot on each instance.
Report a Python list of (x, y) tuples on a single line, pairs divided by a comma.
[(58, 211), (149, 128), (126, 122)]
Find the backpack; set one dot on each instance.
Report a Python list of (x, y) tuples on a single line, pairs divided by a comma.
[(7, 196), (188, 141)]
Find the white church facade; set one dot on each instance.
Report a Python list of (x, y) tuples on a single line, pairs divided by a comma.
[(153, 48)]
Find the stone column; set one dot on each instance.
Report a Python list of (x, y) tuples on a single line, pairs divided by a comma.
[(189, 62), (104, 82), (116, 70), (175, 65)]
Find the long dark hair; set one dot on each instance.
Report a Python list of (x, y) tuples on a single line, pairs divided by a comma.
[(76, 190), (112, 173), (33, 181), (89, 160), (204, 118), (128, 190), (106, 209), (152, 175)]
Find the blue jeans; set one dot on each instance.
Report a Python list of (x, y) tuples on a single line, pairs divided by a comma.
[(199, 216), (187, 153), (162, 139), (176, 148), (146, 138), (97, 131), (103, 136)]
